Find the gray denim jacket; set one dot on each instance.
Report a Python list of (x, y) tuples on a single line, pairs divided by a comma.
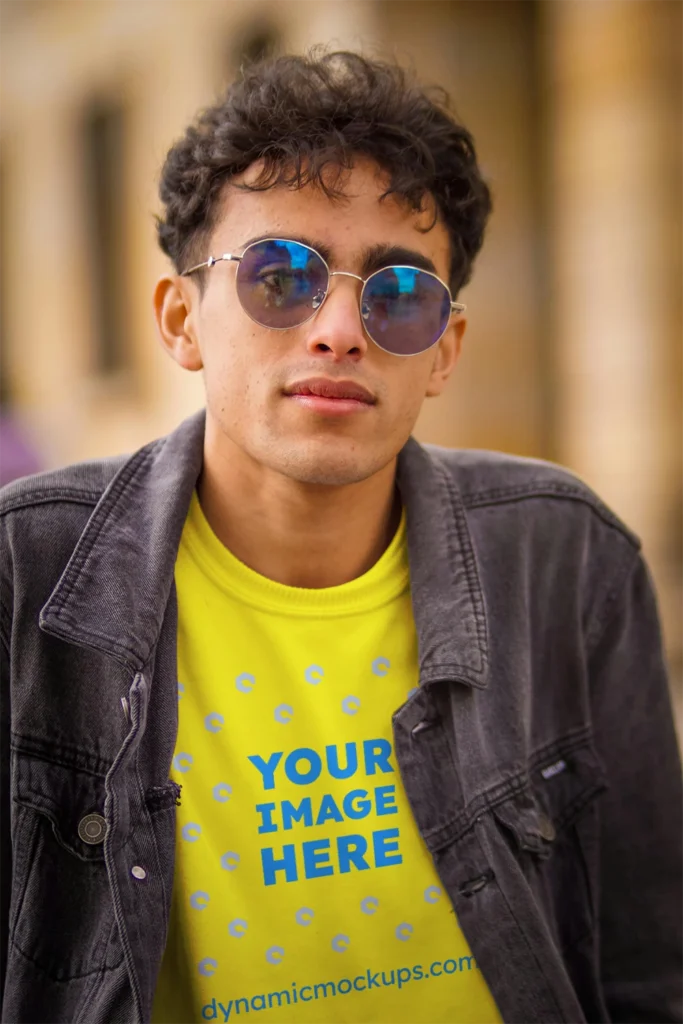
[(538, 754)]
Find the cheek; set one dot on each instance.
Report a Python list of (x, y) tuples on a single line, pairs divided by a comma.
[(415, 377), (236, 366)]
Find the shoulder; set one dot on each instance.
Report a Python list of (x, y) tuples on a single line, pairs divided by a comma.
[(539, 531), (81, 483), (42, 517), (541, 489)]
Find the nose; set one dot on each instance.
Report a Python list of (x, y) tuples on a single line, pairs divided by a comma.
[(337, 327)]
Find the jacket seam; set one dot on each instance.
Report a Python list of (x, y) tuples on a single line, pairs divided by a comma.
[(580, 736), (126, 476), (48, 974), (497, 794), (79, 761), (610, 606), (500, 496), (5, 627), (486, 801), (465, 547), (550, 987), (67, 494), (443, 672), (128, 657), (145, 813), (91, 986)]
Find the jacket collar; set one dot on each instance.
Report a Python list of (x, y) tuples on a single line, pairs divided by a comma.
[(113, 594)]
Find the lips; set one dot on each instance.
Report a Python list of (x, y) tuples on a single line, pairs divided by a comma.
[(323, 387)]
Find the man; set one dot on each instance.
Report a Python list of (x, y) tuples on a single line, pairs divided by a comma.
[(298, 714)]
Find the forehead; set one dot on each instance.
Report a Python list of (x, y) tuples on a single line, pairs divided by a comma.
[(348, 226)]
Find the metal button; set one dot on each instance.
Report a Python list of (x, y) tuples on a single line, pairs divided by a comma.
[(426, 723), (138, 872), (92, 829), (476, 884), (546, 828)]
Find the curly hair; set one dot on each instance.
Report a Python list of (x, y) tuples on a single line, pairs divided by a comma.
[(302, 116)]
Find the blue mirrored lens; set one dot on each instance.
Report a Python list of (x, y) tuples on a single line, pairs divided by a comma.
[(281, 284), (405, 310)]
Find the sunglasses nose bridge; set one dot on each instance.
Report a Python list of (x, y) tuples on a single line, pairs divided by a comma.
[(342, 327), (346, 273), (341, 273), (330, 274)]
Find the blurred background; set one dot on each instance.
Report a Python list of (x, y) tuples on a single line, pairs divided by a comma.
[(574, 346)]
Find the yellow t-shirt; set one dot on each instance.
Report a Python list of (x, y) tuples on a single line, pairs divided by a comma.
[(303, 890)]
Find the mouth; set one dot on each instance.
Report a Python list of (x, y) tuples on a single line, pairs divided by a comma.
[(330, 397)]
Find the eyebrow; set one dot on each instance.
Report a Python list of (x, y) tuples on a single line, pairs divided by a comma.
[(372, 257)]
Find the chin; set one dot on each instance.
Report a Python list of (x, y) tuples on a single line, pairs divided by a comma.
[(327, 467), (327, 474)]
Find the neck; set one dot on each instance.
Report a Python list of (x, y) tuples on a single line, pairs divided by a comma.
[(302, 535)]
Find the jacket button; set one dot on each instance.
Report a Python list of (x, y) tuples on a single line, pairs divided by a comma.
[(546, 828), (92, 829)]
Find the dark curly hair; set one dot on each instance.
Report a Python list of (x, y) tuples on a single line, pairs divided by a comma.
[(303, 116)]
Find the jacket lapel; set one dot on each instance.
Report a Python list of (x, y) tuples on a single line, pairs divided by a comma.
[(113, 593), (448, 604)]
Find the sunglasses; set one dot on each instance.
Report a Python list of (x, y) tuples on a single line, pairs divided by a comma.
[(281, 284)]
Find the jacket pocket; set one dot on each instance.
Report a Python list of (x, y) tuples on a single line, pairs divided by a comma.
[(62, 916), (552, 826)]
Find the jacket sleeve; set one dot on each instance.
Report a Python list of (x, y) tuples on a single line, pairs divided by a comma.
[(5, 835), (641, 895)]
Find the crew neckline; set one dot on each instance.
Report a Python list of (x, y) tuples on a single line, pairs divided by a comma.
[(386, 580)]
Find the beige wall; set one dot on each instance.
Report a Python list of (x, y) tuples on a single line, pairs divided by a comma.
[(165, 60), (481, 53), (614, 75)]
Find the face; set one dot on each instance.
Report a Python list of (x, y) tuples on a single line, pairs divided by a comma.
[(252, 373)]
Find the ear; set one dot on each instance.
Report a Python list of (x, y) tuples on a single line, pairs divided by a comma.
[(446, 356), (176, 304)]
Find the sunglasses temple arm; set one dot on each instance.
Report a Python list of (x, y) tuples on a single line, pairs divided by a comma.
[(210, 262), (458, 307)]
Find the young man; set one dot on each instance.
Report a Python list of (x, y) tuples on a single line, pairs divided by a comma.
[(298, 714)]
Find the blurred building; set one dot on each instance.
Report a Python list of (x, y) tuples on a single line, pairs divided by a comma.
[(573, 349), (18, 455)]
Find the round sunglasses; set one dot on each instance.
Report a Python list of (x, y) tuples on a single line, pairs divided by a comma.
[(281, 284)]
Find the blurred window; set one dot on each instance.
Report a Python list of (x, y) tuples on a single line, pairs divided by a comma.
[(18, 453), (257, 41), (258, 44), (104, 154)]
